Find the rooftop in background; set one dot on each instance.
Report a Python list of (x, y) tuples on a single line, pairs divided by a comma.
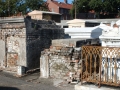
[(81, 20), (42, 12), (46, 15), (60, 7), (105, 21), (63, 22), (63, 4)]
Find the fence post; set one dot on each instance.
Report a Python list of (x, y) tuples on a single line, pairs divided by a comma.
[(81, 66), (100, 69)]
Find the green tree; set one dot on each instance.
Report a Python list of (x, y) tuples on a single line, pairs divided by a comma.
[(25, 6), (80, 5), (96, 5), (35, 4), (21, 6), (104, 6), (11, 7), (1, 7), (8, 7)]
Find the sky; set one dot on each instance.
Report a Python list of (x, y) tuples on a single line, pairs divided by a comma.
[(69, 1)]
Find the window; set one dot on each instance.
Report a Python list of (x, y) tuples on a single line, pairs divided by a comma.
[(61, 10), (62, 18)]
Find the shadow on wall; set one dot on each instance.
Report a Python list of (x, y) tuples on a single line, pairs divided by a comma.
[(80, 43), (67, 36), (8, 88), (95, 42), (96, 32), (39, 35)]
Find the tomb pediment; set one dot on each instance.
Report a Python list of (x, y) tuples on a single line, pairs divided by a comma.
[(109, 30)]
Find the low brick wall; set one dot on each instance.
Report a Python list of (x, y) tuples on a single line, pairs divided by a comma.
[(62, 60)]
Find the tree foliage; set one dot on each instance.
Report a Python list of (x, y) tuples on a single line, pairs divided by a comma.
[(81, 5), (96, 5), (108, 6), (7, 7), (12, 7)]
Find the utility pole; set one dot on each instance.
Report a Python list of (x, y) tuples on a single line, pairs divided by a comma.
[(75, 9)]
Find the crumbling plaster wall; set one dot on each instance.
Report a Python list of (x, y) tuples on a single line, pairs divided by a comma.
[(60, 59), (22, 42), (16, 46), (2, 53), (63, 58), (12, 45)]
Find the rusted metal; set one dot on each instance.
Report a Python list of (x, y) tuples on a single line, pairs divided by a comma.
[(100, 72), (101, 65)]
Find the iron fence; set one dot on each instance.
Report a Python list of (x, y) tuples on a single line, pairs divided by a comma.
[(101, 65)]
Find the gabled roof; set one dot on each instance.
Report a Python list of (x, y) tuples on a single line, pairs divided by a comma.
[(63, 5), (76, 21), (81, 20), (41, 12)]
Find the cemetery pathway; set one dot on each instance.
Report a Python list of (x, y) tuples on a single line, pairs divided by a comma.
[(30, 82)]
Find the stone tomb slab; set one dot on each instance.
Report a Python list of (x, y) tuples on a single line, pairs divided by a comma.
[(93, 87)]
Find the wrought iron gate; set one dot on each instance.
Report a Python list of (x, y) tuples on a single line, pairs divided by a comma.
[(101, 65)]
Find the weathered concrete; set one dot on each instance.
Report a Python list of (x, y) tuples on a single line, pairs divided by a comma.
[(61, 62), (93, 87), (13, 46), (76, 42), (44, 66), (22, 42), (2, 54), (63, 58), (31, 82)]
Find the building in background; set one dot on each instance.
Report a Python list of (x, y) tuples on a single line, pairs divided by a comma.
[(40, 15), (60, 7), (80, 23)]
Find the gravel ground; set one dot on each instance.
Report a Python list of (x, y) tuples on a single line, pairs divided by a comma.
[(30, 82)]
